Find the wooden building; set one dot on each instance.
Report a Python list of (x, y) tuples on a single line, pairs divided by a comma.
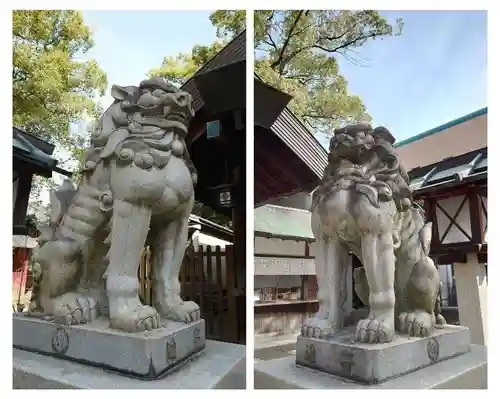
[(30, 156), (217, 144), (288, 162)]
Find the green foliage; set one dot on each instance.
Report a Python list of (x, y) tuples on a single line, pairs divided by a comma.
[(178, 68), (228, 23), (296, 51), (52, 86)]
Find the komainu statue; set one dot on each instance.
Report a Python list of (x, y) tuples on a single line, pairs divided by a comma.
[(364, 206), (137, 187)]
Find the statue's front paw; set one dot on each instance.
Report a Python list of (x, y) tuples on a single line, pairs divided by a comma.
[(374, 330), (184, 312), (316, 328), (74, 308), (134, 317), (417, 323)]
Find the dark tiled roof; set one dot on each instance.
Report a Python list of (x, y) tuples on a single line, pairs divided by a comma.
[(32, 149), (295, 134), (35, 151), (233, 52)]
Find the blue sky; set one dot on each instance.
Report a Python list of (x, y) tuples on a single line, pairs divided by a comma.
[(431, 74), (128, 44)]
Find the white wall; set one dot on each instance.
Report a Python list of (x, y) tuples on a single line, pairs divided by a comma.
[(456, 140), (276, 246)]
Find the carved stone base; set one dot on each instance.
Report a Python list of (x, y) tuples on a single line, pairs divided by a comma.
[(376, 363), (144, 355), (219, 366)]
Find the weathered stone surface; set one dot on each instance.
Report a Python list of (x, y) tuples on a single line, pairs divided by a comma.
[(219, 366), (366, 363), (467, 371), (145, 354), (364, 205), (137, 189)]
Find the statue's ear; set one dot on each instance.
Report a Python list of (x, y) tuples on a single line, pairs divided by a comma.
[(121, 93), (384, 134)]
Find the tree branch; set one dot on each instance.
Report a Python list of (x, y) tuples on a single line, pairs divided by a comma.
[(346, 44), (279, 62)]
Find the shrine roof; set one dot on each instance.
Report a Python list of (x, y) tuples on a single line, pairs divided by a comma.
[(468, 167), (292, 131), (211, 228), (35, 152), (233, 52)]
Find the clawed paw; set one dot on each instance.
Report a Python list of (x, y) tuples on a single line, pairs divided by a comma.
[(135, 318), (416, 324), (74, 308), (374, 331), (185, 312), (316, 328)]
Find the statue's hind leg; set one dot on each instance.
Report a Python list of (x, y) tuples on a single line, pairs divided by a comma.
[(58, 295), (421, 294)]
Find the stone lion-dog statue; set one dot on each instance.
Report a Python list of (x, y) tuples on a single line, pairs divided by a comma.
[(364, 206), (137, 187)]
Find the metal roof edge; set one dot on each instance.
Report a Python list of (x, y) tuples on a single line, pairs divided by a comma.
[(283, 207), (442, 127), (209, 62)]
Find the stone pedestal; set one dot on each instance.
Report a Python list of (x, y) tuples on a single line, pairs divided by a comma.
[(472, 293), (467, 371), (376, 363), (145, 355), (219, 366)]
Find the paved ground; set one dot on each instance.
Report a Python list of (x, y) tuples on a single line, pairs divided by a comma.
[(274, 346)]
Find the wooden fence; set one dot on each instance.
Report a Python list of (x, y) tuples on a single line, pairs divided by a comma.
[(207, 277)]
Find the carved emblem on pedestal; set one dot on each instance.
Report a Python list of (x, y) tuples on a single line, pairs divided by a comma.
[(171, 351), (310, 353), (346, 361), (60, 341), (433, 349), (196, 336)]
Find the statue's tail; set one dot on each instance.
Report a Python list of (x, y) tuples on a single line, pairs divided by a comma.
[(440, 320)]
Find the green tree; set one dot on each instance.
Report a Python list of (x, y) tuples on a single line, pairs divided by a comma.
[(179, 68), (52, 86), (296, 51)]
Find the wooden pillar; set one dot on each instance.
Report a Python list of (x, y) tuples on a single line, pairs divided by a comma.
[(22, 197), (472, 286), (19, 273), (239, 247)]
